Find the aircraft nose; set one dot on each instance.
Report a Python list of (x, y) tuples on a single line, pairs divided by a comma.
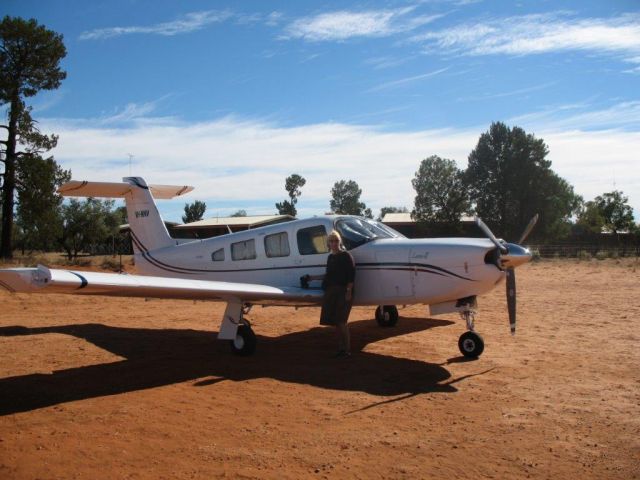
[(516, 255)]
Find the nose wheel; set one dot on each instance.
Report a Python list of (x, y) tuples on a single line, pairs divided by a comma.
[(471, 344)]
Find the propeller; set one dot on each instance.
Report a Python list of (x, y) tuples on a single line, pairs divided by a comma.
[(527, 231), (487, 231), (511, 255)]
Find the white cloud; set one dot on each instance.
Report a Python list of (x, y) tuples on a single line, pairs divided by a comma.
[(189, 22), (131, 111), (406, 80), (47, 99), (625, 115), (243, 163), (342, 25), (273, 19), (511, 93), (595, 162), (533, 34)]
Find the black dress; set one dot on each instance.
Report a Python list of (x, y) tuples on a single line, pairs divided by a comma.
[(341, 271)]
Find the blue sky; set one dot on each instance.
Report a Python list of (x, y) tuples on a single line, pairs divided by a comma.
[(232, 97)]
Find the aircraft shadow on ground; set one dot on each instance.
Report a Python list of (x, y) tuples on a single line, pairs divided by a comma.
[(158, 357)]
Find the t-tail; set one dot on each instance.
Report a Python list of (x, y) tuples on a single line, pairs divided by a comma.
[(148, 231)]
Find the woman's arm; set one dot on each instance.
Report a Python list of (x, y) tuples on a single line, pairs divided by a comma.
[(349, 293), (350, 267)]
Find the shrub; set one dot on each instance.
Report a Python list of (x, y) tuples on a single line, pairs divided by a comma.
[(584, 255), (110, 263), (33, 260), (79, 262), (601, 255)]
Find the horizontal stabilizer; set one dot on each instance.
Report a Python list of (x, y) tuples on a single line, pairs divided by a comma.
[(45, 280), (76, 188)]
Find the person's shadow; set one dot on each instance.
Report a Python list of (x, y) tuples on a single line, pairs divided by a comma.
[(157, 357)]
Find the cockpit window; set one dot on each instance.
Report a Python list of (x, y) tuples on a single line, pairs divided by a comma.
[(356, 231)]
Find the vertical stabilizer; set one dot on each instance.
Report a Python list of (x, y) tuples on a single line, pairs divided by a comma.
[(148, 231)]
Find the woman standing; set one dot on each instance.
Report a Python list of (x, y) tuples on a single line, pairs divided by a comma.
[(337, 283)]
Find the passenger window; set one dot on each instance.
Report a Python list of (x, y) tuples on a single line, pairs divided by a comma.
[(312, 240), (277, 245), (218, 255), (243, 250)]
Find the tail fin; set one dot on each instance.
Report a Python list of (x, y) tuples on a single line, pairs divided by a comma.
[(148, 231)]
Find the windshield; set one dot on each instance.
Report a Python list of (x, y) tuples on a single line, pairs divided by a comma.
[(356, 231)]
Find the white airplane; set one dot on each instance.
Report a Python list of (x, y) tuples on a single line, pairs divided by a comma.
[(265, 266)]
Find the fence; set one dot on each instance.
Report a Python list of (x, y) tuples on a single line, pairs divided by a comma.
[(579, 250)]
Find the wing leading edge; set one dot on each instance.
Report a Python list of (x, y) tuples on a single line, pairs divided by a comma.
[(45, 280)]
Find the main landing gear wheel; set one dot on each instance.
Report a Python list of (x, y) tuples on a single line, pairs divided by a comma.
[(471, 344), (245, 342), (387, 315)]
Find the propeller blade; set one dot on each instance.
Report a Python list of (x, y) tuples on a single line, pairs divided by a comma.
[(490, 235), (527, 231), (511, 298)]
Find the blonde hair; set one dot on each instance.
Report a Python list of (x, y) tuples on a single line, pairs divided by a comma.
[(336, 235)]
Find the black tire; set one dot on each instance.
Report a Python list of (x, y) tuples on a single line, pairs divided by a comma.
[(387, 315), (245, 341), (471, 344)]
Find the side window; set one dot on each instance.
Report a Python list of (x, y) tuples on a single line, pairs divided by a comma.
[(243, 250), (218, 255), (312, 240), (277, 245)]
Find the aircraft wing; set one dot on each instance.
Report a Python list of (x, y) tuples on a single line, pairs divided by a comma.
[(45, 280)]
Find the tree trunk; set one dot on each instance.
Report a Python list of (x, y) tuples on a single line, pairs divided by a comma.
[(9, 186)]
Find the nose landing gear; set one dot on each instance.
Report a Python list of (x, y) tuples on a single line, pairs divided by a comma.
[(471, 344)]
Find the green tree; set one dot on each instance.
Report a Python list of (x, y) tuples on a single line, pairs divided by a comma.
[(38, 215), (616, 211), (88, 224), (510, 180), (345, 199), (385, 210), (193, 211), (240, 213), (293, 185), (29, 62), (441, 194)]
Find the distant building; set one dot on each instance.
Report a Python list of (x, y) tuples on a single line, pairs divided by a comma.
[(403, 223), (212, 227), (125, 228)]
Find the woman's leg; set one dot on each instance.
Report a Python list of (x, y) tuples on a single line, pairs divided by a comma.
[(344, 342)]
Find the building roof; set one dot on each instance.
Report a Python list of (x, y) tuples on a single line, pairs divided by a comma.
[(405, 218), (125, 226), (250, 221), (398, 218)]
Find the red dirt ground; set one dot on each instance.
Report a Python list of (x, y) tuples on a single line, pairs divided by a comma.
[(95, 387)]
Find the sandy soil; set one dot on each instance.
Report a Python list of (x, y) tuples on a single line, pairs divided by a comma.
[(95, 387)]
